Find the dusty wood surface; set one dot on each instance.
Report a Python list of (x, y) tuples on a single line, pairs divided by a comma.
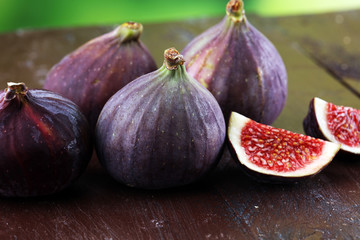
[(322, 56)]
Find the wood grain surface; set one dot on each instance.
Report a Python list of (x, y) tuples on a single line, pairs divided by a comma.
[(322, 57)]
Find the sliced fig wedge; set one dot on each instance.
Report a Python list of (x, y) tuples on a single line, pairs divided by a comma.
[(276, 154), (334, 123)]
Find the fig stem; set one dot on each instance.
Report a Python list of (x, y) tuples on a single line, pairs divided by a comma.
[(235, 10), (172, 59), (129, 31), (15, 89)]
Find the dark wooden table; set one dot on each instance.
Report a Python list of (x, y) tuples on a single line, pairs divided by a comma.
[(322, 56)]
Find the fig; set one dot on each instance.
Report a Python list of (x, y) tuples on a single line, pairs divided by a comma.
[(91, 74), (45, 142), (338, 124), (276, 155), (240, 67), (161, 130)]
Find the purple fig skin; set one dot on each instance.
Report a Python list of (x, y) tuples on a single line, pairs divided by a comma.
[(90, 75), (240, 67), (45, 142), (310, 124), (162, 130)]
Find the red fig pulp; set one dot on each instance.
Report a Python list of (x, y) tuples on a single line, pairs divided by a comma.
[(161, 130), (334, 123), (90, 75), (277, 153), (239, 66), (45, 142)]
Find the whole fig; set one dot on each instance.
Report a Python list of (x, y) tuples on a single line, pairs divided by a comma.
[(45, 142), (90, 75), (161, 130), (239, 66)]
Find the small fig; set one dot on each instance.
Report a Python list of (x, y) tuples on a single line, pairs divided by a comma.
[(161, 130), (334, 123), (276, 155), (45, 142), (239, 66), (90, 75)]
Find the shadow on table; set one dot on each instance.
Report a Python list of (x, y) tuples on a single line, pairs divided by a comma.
[(227, 176)]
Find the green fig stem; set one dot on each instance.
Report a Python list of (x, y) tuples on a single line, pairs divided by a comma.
[(129, 31), (235, 10), (172, 59), (15, 89)]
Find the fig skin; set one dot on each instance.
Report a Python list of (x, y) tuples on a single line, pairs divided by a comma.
[(311, 127), (310, 124), (240, 67), (91, 74), (45, 142), (162, 130)]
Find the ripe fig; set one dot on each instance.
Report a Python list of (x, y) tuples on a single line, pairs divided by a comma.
[(276, 155), (239, 66), (45, 142), (90, 75), (161, 130), (334, 123)]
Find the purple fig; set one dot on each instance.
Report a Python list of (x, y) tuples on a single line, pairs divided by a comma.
[(90, 75), (45, 142), (239, 66), (161, 130)]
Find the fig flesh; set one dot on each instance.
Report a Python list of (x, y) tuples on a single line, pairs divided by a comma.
[(90, 75), (338, 124), (45, 142), (161, 130), (240, 67), (273, 154)]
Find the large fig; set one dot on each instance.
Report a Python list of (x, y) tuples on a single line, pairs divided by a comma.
[(239, 66), (90, 75), (162, 130), (45, 142)]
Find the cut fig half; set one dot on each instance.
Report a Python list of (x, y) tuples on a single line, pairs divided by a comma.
[(334, 123), (270, 153)]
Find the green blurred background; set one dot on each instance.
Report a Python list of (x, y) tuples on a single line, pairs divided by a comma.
[(16, 14)]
